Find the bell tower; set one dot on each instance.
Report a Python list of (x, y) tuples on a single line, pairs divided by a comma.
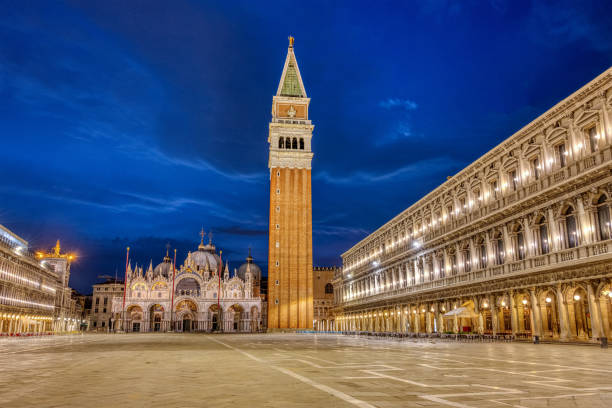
[(290, 285)]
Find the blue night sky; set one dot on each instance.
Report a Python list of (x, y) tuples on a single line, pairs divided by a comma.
[(138, 122)]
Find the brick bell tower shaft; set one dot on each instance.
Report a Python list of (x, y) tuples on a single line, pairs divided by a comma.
[(290, 285)]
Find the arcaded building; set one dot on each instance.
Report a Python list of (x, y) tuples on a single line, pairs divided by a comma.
[(517, 243), (34, 294)]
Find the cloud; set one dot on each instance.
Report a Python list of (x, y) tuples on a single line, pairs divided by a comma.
[(125, 202), (154, 154), (339, 231), (393, 103), (239, 230), (107, 97), (401, 128), (557, 24), (412, 170)]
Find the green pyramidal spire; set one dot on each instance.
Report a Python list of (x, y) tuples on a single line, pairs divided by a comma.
[(291, 82)]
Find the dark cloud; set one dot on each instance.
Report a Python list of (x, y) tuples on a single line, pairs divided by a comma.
[(239, 230)]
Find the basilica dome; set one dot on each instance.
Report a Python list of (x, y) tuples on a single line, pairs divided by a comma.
[(255, 270), (201, 257), (205, 255), (164, 269)]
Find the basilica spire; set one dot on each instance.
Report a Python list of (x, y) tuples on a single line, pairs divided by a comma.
[(202, 235), (167, 257)]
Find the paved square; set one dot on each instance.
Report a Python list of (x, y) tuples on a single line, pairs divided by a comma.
[(297, 370)]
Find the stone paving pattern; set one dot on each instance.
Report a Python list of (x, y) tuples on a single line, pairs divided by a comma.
[(297, 370)]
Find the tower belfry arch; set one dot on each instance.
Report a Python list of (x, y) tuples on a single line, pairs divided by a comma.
[(290, 289)]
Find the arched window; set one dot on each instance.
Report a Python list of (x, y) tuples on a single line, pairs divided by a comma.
[(281, 143), (520, 243), (288, 143), (301, 143), (294, 143), (570, 228), (499, 249), (593, 137), (467, 259), (603, 218), (329, 288), (543, 231), (482, 256)]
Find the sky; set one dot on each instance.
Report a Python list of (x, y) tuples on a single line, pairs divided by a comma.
[(140, 122)]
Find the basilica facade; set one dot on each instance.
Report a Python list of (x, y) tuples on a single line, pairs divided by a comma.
[(198, 295), (517, 244)]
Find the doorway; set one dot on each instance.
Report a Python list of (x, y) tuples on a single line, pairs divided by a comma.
[(186, 325)]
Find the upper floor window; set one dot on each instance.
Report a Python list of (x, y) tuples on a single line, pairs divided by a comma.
[(105, 301), (561, 154), (295, 143), (520, 243), (499, 249), (329, 288), (535, 168), (281, 143), (603, 218), (97, 301), (512, 179), (543, 232), (494, 188), (570, 227), (482, 258), (593, 137), (301, 143), (453, 260), (467, 260)]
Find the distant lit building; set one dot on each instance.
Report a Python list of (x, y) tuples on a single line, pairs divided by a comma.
[(517, 243), (102, 304), (188, 297), (34, 293), (323, 299)]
